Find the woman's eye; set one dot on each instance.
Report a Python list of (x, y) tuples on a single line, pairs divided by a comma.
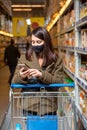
[(39, 42), (33, 42)]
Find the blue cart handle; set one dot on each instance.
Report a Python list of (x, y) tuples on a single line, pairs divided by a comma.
[(57, 85)]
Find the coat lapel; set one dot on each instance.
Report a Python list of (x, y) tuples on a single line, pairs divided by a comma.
[(33, 63)]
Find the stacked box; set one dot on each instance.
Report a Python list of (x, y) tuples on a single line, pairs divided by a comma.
[(84, 38)]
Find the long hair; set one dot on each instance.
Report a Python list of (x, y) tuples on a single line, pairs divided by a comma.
[(48, 51)]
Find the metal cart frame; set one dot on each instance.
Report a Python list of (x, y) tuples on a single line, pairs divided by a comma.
[(62, 120)]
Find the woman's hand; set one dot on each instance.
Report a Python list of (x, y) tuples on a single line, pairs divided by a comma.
[(29, 73), (23, 73), (35, 73)]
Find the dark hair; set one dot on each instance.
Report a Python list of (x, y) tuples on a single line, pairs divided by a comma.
[(48, 51), (12, 41)]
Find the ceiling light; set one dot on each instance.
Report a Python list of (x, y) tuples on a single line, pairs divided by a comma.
[(6, 34), (21, 9), (28, 21), (35, 6)]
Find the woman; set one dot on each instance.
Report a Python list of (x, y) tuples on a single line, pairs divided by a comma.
[(44, 65)]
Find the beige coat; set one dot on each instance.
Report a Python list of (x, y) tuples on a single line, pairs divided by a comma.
[(52, 74)]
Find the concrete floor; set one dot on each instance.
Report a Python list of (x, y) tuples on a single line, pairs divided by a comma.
[(4, 92)]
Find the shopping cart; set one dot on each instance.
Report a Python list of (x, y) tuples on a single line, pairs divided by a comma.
[(51, 110)]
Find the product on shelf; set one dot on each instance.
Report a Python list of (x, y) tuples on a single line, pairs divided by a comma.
[(84, 38), (71, 63), (4, 40), (83, 10), (64, 57), (69, 81), (69, 39), (83, 71), (83, 102), (66, 21), (72, 18)]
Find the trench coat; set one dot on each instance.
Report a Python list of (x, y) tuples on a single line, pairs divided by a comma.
[(53, 73)]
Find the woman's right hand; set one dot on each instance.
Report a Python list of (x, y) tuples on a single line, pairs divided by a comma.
[(23, 73)]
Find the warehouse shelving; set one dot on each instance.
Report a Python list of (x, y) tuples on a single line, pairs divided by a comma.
[(5, 27), (76, 49), (82, 118), (72, 76), (81, 22), (79, 50), (4, 39)]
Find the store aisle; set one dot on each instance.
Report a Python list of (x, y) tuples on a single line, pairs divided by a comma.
[(4, 92)]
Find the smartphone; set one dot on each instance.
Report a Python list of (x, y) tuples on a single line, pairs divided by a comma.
[(23, 66)]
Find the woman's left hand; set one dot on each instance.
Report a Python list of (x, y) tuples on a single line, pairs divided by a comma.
[(35, 73)]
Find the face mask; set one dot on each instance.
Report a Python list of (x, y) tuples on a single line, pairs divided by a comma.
[(38, 49)]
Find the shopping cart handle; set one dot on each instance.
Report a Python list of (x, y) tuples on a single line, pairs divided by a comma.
[(56, 85)]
